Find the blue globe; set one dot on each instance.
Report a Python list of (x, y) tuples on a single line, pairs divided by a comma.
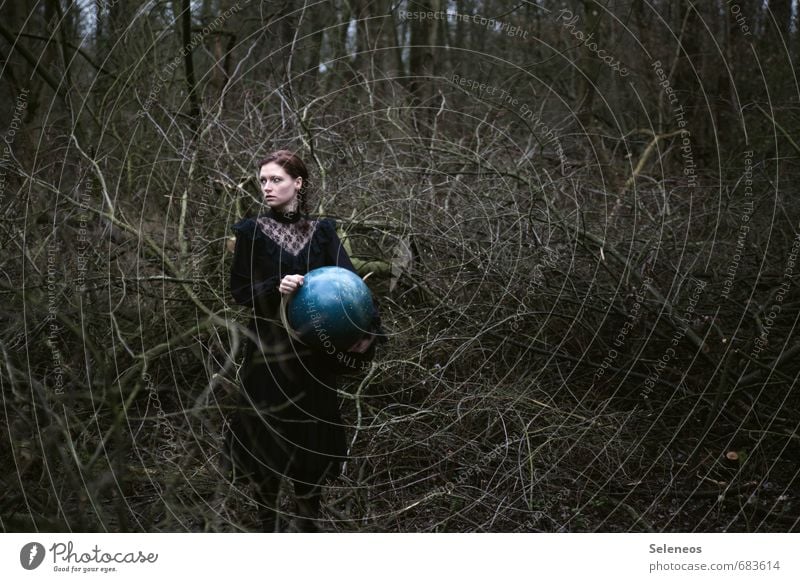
[(331, 310)]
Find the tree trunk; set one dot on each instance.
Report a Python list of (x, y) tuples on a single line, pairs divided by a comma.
[(188, 62), (422, 55)]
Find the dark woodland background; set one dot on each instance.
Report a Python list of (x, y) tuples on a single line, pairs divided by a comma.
[(589, 276)]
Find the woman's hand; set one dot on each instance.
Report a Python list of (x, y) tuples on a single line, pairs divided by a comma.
[(362, 345), (290, 284)]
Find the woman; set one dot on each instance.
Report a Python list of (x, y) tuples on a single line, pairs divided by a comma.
[(288, 421)]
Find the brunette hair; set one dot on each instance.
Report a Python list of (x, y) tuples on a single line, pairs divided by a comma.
[(293, 166)]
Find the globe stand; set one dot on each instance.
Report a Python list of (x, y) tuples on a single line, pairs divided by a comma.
[(285, 320)]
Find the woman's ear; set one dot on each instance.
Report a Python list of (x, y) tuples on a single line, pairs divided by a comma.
[(298, 182)]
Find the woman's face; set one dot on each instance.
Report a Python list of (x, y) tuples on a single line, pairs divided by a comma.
[(278, 187)]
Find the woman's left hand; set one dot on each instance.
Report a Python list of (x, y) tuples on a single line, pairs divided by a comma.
[(362, 345)]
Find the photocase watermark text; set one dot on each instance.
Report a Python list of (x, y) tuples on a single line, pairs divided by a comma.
[(523, 109), (744, 228), (677, 336), (569, 20), (680, 118), (498, 25)]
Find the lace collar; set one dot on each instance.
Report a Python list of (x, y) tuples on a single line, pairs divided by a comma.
[(291, 231)]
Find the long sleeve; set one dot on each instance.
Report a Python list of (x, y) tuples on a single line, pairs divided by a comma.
[(247, 284)]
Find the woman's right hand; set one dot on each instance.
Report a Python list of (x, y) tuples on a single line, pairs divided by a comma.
[(290, 283)]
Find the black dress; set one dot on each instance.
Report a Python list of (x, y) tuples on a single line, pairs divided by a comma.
[(287, 422)]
